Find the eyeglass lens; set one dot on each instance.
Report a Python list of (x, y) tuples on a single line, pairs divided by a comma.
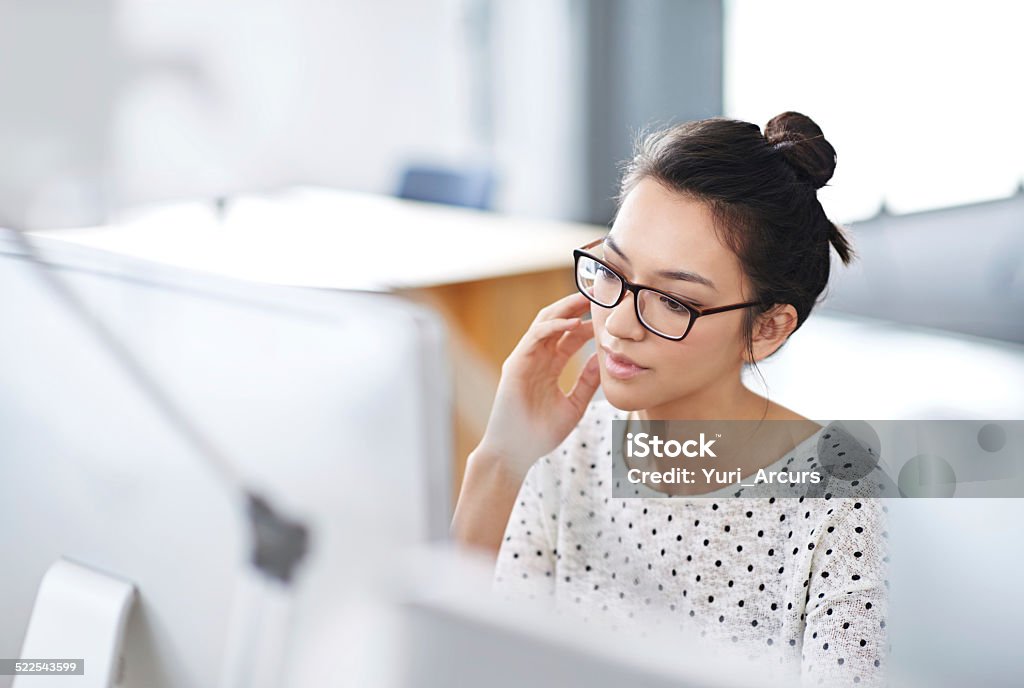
[(657, 311)]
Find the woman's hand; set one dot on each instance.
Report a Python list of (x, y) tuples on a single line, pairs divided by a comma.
[(531, 415)]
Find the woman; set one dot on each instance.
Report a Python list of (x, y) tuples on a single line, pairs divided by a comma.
[(722, 227)]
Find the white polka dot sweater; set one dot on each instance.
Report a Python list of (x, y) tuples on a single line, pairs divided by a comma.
[(801, 578)]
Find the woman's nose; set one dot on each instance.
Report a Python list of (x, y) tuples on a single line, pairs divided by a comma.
[(622, 321)]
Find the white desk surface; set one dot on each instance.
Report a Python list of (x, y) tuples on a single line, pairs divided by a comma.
[(314, 237)]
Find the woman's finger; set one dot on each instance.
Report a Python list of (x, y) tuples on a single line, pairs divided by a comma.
[(565, 307), (572, 340), (545, 329), (586, 384)]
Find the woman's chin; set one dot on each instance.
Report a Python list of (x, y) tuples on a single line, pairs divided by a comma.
[(623, 399)]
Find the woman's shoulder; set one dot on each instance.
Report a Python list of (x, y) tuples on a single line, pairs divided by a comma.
[(851, 465), (777, 411), (841, 463)]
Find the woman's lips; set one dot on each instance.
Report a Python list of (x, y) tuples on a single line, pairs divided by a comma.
[(621, 367)]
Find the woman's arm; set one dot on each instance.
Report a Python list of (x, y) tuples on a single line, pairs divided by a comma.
[(527, 560), (845, 638), (488, 493)]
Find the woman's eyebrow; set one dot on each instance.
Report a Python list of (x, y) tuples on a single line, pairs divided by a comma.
[(683, 275)]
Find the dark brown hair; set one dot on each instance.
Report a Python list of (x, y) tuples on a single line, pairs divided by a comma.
[(762, 192)]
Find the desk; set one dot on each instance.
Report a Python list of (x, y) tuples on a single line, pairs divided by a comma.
[(486, 274)]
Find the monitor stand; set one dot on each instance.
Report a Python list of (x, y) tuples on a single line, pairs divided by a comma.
[(79, 616)]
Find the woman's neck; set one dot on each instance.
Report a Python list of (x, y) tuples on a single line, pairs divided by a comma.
[(732, 402), (755, 447)]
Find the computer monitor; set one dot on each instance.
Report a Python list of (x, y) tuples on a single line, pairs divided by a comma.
[(334, 405), (955, 605)]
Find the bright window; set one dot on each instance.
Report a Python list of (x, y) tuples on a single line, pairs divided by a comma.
[(922, 101)]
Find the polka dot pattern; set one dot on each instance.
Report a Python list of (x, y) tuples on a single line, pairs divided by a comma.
[(800, 578)]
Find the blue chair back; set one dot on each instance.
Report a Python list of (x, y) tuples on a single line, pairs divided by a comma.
[(466, 188)]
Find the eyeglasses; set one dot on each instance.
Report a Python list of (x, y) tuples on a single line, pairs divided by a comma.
[(659, 312)]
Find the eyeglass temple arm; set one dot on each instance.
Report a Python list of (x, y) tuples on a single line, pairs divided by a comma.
[(722, 309)]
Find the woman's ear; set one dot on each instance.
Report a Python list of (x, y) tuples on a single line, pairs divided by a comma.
[(771, 329)]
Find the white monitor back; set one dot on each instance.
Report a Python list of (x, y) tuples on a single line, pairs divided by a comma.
[(335, 405)]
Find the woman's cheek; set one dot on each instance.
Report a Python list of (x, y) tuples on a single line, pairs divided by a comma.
[(715, 341)]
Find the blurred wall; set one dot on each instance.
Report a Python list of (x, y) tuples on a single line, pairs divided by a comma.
[(59, 68), (338, 93), (109, 103), (112, 103), (649, 63)]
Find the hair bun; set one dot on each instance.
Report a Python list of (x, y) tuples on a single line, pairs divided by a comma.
[(803, 145)]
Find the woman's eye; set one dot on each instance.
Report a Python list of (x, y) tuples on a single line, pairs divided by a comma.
[(672, 305), (602, 271)]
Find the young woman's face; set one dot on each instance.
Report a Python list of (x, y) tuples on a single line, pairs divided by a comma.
[(659, 230)]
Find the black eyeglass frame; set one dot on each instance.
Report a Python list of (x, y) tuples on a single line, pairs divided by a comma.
[(628, 286)]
